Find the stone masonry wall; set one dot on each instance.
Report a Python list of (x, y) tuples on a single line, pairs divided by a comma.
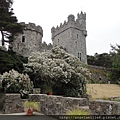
[(98, 72), (50, 104), (103, 107), (28, 42), (58, 105)]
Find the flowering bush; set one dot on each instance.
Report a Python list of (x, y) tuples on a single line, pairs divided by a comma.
[(14, 82), (64, 71)]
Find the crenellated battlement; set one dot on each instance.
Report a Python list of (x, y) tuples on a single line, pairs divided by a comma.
[(70, 23), (33, 27), (71, 35)]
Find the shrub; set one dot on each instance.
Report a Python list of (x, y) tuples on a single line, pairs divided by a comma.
[(105, 98), (59, 69), (11, 60), (34, 105), (14, 82), (77, 111)]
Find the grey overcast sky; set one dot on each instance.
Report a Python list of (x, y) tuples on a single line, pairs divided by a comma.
[(102, 19)]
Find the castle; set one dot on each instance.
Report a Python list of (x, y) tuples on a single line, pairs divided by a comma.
[(70, 35)]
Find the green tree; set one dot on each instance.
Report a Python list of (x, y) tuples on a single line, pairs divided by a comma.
[(115, 53), (9, 25), (10, 60), (104, 60)]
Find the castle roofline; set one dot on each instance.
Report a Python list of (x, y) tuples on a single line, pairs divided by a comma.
[(71, 23), (32, 27)]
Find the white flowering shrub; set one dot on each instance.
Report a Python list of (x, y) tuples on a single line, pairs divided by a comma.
[(63, 71), (14, 82)]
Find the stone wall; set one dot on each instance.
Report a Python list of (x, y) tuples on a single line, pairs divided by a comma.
[(103, 107), (50, 104), (45, 47), (28, 42), (58, 105), (99, 67), (98, 72)]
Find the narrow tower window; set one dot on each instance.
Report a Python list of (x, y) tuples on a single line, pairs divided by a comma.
[(80, 56), (58, 40), (77, 36), (23, 38), (76, 43)]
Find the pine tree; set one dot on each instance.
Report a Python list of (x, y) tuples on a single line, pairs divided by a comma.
[(9, 25)]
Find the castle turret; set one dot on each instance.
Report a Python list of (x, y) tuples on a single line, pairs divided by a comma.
[(29, 41), (81, 18), (71, 35), (71, 18)]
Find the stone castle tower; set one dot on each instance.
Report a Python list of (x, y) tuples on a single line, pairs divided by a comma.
[(29, 41), (72, 36)]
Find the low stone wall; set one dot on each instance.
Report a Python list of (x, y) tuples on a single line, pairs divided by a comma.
[(98, 72), (104, 107), (58, 105), (50, 104), (98, 67)]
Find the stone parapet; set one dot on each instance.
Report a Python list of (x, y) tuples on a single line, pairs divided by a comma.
[(33, 27), (71, 23), (49, 104), (98, 67), (58, 105), (104, 107)]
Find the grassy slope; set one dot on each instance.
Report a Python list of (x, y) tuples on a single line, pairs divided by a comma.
[(103, 90)]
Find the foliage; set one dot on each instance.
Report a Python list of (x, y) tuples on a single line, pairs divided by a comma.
[(10, 60), (116, 99), (96, 74), (103, 60), (14, 82), (60, 70), (34, 105), (24, 94), (105, 98), (9, 25), (111, 60), (77, 111), (115, 53), (46, 88)]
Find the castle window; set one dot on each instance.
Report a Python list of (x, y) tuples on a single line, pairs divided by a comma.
[(23, 38), (76, 43), (80, 56), (77, 36), (58, 40)]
